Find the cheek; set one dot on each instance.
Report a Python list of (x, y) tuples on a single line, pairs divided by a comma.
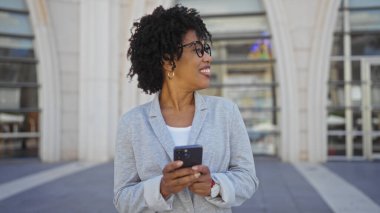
[(187, 67)]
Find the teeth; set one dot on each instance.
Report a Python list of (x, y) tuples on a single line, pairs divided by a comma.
[(205, 70)]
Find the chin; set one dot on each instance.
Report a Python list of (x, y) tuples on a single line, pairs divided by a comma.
[(202, 84), (203, 87)]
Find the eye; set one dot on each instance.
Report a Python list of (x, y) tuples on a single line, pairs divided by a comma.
[(207, 49), (198, 47)]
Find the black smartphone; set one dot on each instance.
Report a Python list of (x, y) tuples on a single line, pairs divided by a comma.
[(190, 155)]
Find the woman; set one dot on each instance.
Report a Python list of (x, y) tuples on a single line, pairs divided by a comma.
[(171, 56)]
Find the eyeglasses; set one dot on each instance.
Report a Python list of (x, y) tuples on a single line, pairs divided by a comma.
[(200, 48)]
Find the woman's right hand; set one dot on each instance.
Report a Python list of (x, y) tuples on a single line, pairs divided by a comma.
[(175, 179)]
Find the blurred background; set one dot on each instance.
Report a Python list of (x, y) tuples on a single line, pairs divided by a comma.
[(305, 75)]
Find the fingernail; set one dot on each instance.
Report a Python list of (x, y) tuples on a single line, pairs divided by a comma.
[(195, 168), (197, 175), (179, 163)]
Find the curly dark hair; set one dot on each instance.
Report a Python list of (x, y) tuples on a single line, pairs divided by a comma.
[(156, 38)]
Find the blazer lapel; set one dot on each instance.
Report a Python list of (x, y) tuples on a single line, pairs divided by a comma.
[(158, 125), (199, 118)]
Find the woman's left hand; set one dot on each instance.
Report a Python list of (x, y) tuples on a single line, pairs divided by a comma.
[(202, 186)]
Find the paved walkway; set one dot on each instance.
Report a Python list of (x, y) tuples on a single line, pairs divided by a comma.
[(26, 185)]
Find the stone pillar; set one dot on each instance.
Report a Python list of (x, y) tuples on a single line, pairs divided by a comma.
[(98, 78), (302, 35), (48, 76), (286, 74), (318, 77), (131, 96)]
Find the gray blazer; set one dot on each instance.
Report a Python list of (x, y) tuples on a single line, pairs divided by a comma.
[(144, 146)]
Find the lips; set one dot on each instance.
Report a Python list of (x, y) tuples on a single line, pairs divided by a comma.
[(206, 71)]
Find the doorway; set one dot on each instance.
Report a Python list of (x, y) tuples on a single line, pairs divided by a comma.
[(371, 107)]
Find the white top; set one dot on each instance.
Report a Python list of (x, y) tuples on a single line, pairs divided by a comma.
[(180, 135), (236, 176)]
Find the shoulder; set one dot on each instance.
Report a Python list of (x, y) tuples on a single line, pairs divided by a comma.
[(219, 103), (137, 113)]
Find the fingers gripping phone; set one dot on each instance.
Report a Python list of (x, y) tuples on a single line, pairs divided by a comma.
[(190, 155)]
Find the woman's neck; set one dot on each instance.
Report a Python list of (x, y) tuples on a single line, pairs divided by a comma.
[(176, 99)]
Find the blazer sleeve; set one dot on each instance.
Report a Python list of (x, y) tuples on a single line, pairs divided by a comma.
[(239, 183), (130, 193), (242, 172)]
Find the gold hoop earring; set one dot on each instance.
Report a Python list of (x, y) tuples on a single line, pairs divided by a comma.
[(171, 75)]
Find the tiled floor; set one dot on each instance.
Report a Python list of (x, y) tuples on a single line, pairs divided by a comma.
[(282, 188), (11, 169), (364, 175)]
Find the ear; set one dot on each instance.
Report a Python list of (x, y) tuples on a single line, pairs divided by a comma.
[(166, 63), (167, 66)]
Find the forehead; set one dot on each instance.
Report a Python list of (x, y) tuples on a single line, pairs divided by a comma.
[(190, 36)]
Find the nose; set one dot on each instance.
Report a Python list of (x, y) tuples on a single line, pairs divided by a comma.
[(207, 58)]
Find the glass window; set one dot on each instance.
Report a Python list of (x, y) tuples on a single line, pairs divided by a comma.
[(365, 44), (365, 20), (18, 98), (211, 7), (376, 144), (339, 23), (376, 120), (357, 121), (262, 121), (337, 49), (337, 72), (260, 73), (336, 120), (247, 24), (375, 95), (18, 73), (10, 98), (336, 145), (260, 48), (358, 145), (375, 74), (16, 47), (243, 65), (13, 4), (19, 110), (356, 71), (263, 142), (375, 89), (250, 96), (336, 96), (362, 28), (364, 3), (14, 23), (356, 95)]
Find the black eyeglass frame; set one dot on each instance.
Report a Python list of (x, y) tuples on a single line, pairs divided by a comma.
[(205, 48)]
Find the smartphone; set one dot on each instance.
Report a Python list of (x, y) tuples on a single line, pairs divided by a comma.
[(190, 155)]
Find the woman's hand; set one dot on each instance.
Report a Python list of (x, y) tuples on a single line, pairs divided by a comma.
[(202, 186), (175, 179)]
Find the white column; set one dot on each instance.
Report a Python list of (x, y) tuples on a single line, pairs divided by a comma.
[(132, 96), (286, 73), (129, 92), (48, 76), (318, 77), (98, 78)]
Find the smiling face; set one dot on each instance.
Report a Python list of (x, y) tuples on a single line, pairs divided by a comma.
[(192, 72)]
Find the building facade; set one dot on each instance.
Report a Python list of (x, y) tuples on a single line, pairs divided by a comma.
[(304, 74)]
